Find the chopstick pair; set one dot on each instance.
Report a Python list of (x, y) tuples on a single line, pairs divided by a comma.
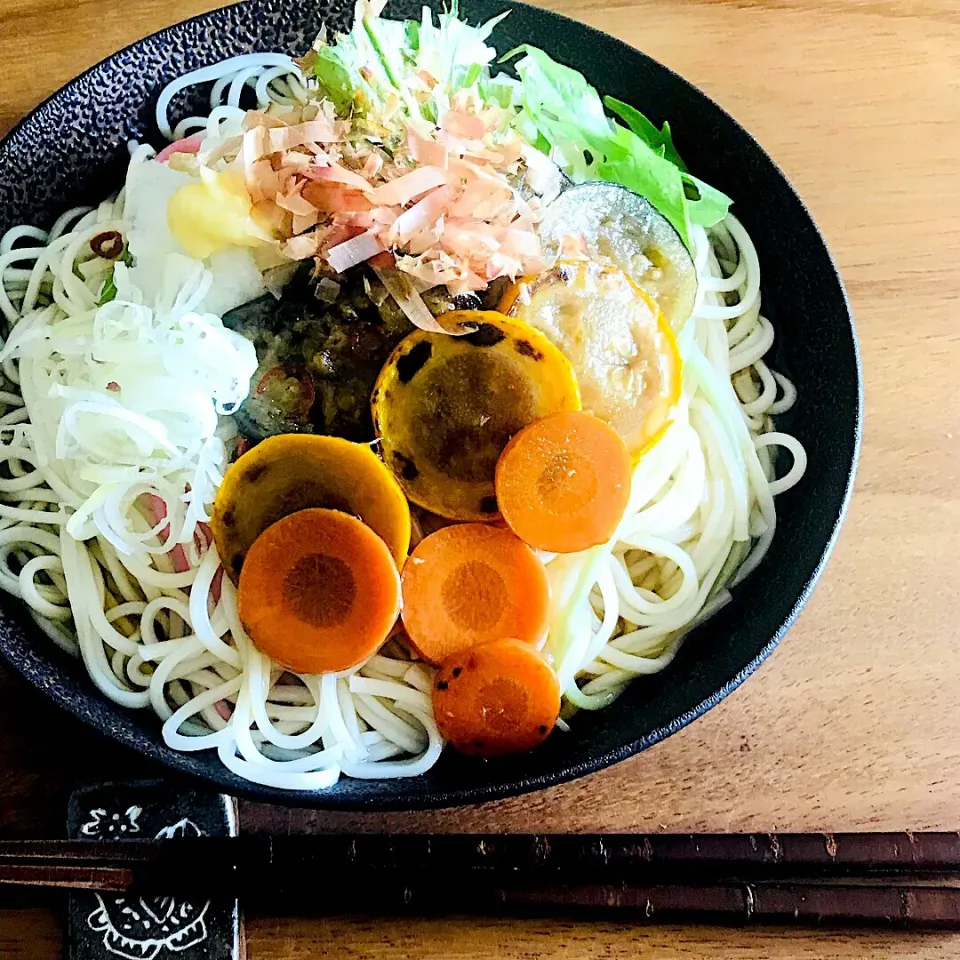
[(911, 879)]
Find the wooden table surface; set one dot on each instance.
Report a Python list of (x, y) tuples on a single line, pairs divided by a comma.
[(852, 723)]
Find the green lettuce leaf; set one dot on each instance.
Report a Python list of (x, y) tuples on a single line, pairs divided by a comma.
[(339, 75), (558, 97), (706, 205), (660, 141), (562, 114), (356, 72)]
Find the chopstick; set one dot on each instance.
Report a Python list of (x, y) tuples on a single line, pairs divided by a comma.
[(860, 878)]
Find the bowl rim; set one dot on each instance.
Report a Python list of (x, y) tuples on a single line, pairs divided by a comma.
[(185, 765)]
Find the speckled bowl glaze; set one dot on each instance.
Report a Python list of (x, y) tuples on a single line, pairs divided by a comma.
[(72, 149)]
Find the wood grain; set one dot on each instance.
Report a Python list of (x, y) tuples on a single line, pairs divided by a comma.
[(852, 723), (35, 934)]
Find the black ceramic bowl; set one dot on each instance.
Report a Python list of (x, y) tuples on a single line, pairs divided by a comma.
[(72, 149)]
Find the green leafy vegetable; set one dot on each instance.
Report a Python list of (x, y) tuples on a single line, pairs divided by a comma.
[(356, 72), (472, 75), (376, 65), (563, 115), (337, 75), (387, 39), (708, 205), (413, 36), (705, 204), (373, 63), (108, 293), (659, 140), (557, 97)]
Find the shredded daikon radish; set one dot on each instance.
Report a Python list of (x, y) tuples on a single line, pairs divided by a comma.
[(126, 398)]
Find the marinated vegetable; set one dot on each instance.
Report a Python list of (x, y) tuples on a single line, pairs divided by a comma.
[(290, 473), (616, 225), (621, 347), (320, 348), (563, 482), (498, 698), (445, 407), (319, 592), (469, 583)]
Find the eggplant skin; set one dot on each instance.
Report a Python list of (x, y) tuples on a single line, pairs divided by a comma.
[(624, 228)]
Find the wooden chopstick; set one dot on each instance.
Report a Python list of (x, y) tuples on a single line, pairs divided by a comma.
[(105, 878), (608, 853), (860, 878)]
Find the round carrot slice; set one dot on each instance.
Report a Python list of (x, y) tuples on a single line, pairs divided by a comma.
[(319, 591), (470, 583), (501, 697), (563, 482)]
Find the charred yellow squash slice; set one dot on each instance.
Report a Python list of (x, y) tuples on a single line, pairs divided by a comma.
[(293, 472), (445, 407), (621, 346)]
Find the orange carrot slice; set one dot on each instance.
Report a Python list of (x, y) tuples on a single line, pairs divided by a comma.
[(563, 482), (319, 591), (470, 583), (501, 697)]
